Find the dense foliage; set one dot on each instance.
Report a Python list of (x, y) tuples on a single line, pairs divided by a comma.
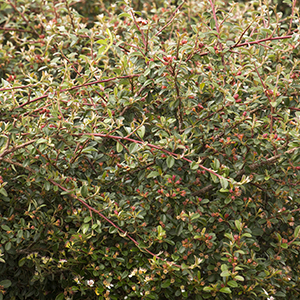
[(149, 154)]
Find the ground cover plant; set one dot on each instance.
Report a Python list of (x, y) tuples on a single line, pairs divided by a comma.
[(149, 150)]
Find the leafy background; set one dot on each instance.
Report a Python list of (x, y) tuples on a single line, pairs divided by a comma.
[(149, 150)]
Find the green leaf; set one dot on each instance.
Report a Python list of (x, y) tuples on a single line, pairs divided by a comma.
[(47, 186), (166, 283), (225, 290), (134, 147), (8, 246), (170, 161), (124, 14), (5, 283), (204, 201), (296, 231), (246, 234), (224, 267), (147, 82), (85, 228), (5, 227), (119, 147), (89, 150), (195, 216), (194, 27), (225, 273), (84, 190), (194, 165), (161, 232), (216, 164), (214, 177), (87, 219), (40, 141), (224, 182), (22, 261), (153, 174), (238, 225), (280, 294), (141, 131), (3, 192), (60, 296), (112, 229), (294, 144), (238, 277), (232, 283)]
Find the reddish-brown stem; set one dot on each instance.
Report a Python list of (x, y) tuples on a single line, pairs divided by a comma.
[(70, 14), (294, 108), (17, 87), (14, 148), (262, 40), (292, 14), (106, 219), (99, 81), (270, 101), (240, 38), (76, 87), (33, 100), (246, 44), (139, 29), (171, 19), (22, 16), (15, 29), (115, 137), (215, 17), (68, 62)]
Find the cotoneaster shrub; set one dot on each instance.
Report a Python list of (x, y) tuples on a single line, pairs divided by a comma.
[(149, 154)]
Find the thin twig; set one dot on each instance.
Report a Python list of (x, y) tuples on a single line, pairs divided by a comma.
[(116, 137), (240, 38), (18, 87), (23, 17), (171, 19), (215, 17), (253, 166), (15, 29), (139, 29), (266, 93), (15, 148)]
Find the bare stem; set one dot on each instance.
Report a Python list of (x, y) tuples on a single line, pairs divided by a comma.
[(22, 16), (215, 17), (171, 19)]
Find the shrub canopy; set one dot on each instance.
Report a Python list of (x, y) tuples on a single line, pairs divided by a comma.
[(149, 154)]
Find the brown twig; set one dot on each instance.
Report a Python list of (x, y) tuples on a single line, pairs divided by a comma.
[(31, 101), (70, 14), (171, 19), (253, 166), (22, 16), (292, 15), (15, 29), (15, 148), (18, 87), (262, 40), (100, 81), (240, 38), (106, 219), (139, 29), (266, 93), (117, 138), (215, 17)]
